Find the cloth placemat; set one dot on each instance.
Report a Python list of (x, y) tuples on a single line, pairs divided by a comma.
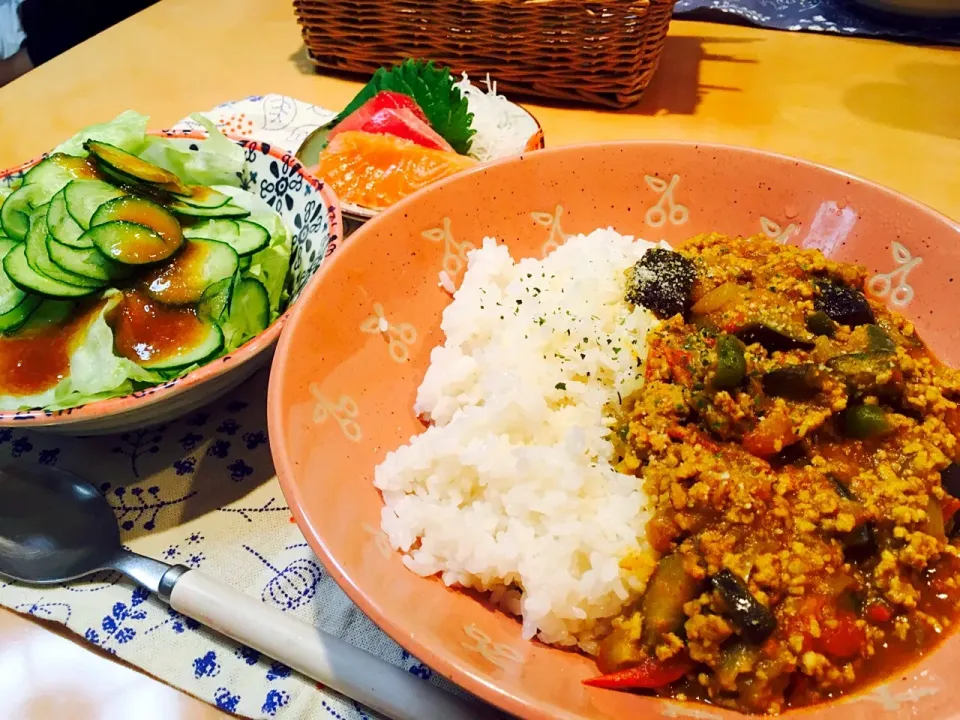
[(828, 16), (202, 491)]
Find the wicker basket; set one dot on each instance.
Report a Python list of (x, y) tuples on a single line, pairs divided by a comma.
[(599, 52)]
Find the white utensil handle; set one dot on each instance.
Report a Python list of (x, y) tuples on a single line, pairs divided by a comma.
[(325, 658)]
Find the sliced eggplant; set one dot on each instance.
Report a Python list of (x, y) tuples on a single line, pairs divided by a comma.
[(84, 197), (57, 170), (667, 592), (242, 235), (18, 269), (135, 167), (200, 264), (794, 382), (950, 479), (662, 281), (13, 319), (862, 372), (200, 196), (39, 257), (88, 262), (754, 621), (775, 338), (842, 304), (861, 542), (224, 211), (60, 223), (17, 209)]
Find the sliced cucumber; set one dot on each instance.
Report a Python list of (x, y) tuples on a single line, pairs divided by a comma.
[(207, 341), (249, 307), (18, 207), (242, 235), (183, 280), (129, 164), (14, 318), (6, 245), (127, 243), (201, 196), (88, 262), (39, 258), (245, 263), (18, 269), (84, 197), (60, 223), (165, 238), (57, 170), (224, 211), (10, 295), (159, 338), (215, 300)]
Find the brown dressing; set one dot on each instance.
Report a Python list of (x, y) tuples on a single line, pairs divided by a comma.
[(34, 361), (148, 332), (176, 282), (154, 234)]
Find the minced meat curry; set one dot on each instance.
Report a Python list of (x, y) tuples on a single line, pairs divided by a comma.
[(797, 443)]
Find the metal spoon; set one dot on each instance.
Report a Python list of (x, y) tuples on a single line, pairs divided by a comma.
[(56, 527)]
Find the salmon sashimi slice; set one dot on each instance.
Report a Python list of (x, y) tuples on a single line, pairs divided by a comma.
[(376, 171)]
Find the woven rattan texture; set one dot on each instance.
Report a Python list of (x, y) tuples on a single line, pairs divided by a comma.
[(601, 53)]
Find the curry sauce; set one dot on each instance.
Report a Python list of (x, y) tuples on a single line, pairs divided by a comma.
[(797, 443)]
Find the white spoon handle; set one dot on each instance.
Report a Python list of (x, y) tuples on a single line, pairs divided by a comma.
[(322, 657)]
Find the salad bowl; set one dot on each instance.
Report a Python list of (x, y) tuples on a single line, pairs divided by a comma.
[(310, 213)]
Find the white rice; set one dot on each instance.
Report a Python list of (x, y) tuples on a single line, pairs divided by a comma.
[(511, 489)]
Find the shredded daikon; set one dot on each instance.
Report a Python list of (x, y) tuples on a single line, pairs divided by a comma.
[(503, 128)]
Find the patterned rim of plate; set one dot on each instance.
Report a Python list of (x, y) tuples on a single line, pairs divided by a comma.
[(172, 388)]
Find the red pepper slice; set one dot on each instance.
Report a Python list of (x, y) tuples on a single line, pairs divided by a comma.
[(879, 612), (649, 674), (845, 641), (950, 506)]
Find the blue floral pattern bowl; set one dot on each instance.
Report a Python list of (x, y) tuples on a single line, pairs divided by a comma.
[(311, 213)]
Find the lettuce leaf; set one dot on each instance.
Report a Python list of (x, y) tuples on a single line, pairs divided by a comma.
[(436, 93), (95, 372), (271, 266), (218, 161), (127, 131)]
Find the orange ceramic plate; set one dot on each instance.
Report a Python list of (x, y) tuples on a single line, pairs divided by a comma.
[(342, 391)]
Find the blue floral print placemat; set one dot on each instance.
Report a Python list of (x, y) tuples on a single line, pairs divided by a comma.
[(202, 491), (829, 16)]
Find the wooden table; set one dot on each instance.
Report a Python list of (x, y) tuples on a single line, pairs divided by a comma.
[(887, 112)]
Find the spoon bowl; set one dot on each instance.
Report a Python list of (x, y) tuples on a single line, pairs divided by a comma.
[(54, 526)]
